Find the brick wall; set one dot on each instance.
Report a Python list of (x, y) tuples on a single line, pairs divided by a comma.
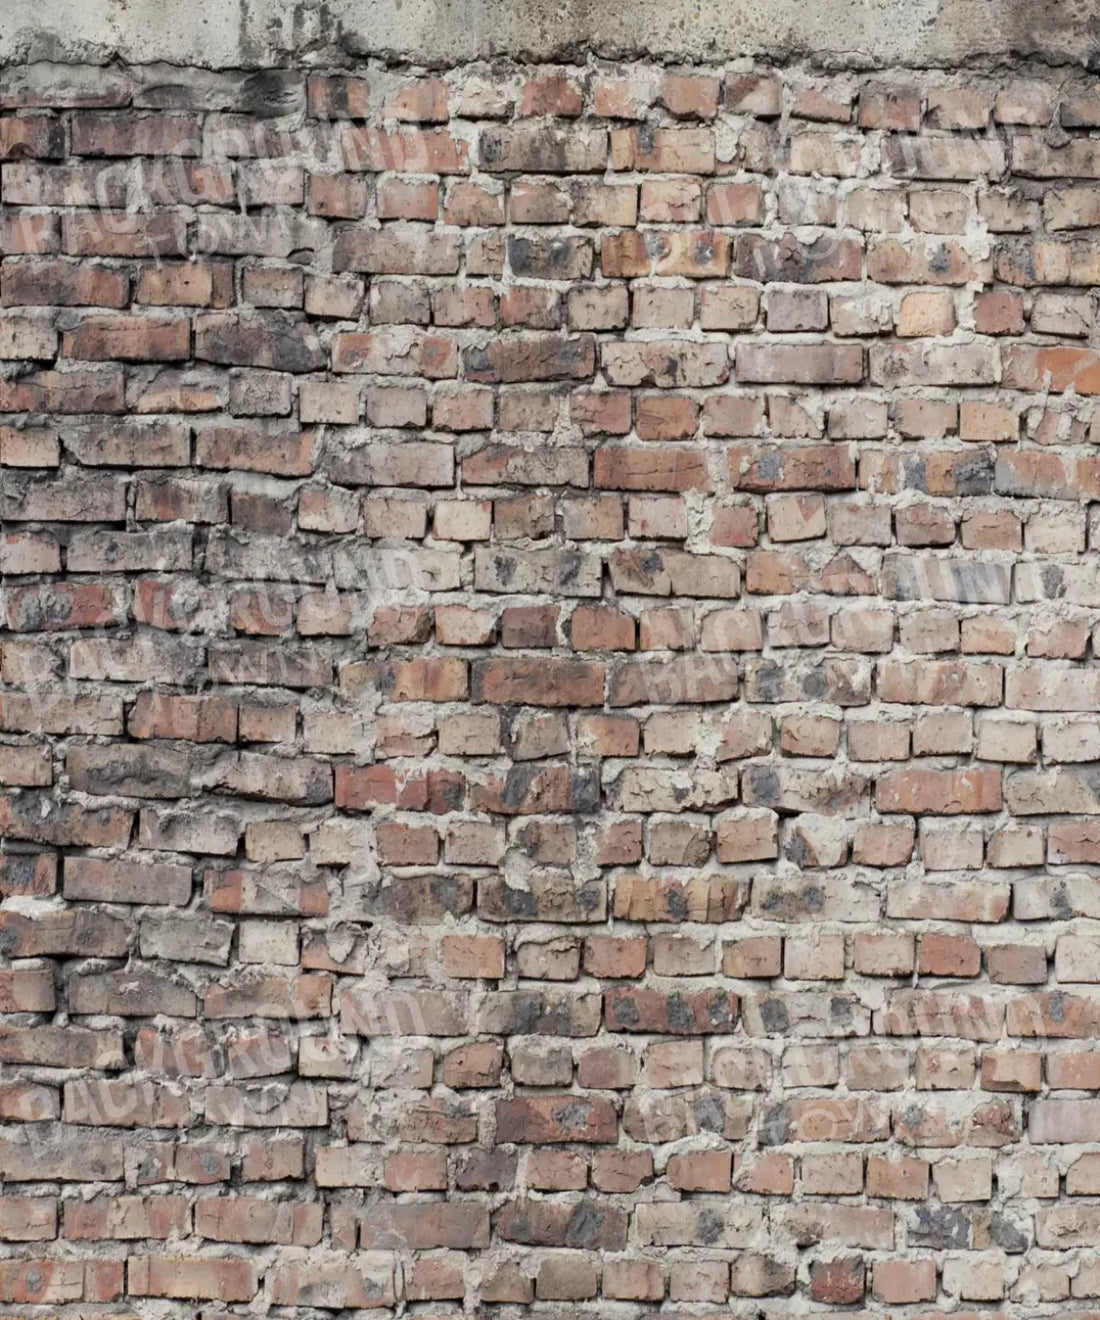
[(550, 719)]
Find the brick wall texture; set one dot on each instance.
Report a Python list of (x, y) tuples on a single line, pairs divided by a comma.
[(550, 725)]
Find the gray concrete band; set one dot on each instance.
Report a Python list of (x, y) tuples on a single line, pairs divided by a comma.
[(222, 34)]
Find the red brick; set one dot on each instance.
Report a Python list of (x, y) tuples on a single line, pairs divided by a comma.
[(939, 792)]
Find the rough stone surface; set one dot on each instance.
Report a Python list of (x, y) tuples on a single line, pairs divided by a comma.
[(257, 33), (549, 710)]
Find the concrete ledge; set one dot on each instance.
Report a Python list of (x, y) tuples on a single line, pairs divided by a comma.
[(258, 33)]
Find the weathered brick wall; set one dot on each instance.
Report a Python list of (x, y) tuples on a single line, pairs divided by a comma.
[(550, 720)]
